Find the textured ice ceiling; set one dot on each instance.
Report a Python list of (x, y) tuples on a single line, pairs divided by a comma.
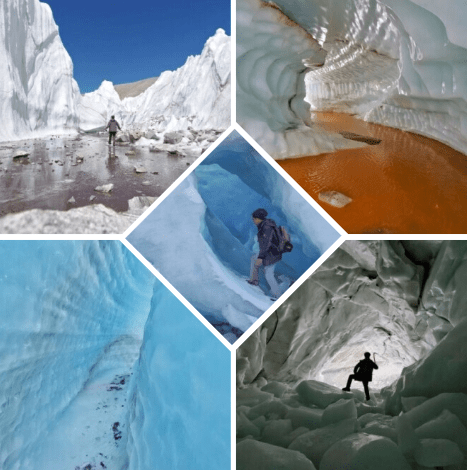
[(405, 301), (397, 299), (390, 62)]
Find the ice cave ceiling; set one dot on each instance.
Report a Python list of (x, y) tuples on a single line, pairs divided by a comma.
[(397, 299), (404, 301), (391, 62)]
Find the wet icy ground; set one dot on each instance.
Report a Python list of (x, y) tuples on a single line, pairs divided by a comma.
[(60, 168), (92, 431)]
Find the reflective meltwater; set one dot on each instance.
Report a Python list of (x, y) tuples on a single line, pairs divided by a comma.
[(405, 184)]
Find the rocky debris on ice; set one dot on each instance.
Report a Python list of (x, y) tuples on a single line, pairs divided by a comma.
[(105, 188), (334, 198), (331, 436), (21, 154), (190, 142), (173, 137), (438, 453), (361, 451), (90, 219), (417, 421), (140, 169), (254, 455), (319, 394)]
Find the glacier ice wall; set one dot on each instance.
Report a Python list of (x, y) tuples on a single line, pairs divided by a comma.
[(63, 304), (38, 94), (201, 237), (389, 62), (69, 310), (181, 397), (397, 299), (197, 95)]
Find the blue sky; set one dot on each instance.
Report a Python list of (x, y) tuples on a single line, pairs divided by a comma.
[(126, 41)]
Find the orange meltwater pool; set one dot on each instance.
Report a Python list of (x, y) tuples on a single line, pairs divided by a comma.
[(405, 184)]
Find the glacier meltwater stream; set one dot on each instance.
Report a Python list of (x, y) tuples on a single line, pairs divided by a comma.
[(406, 183), (60, 168)]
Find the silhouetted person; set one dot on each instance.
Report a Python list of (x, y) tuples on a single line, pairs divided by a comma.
[(363, 372), (112, 126)]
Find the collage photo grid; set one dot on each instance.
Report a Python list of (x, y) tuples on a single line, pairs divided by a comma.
[(233, 235)]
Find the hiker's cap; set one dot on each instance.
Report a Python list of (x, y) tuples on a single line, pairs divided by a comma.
[(260, 214)]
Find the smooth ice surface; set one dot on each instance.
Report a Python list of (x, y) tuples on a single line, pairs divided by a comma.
[(38, 95), (180, 414), (196, 95), (201, 237), (74, 315), (403, 300), (397, 63)]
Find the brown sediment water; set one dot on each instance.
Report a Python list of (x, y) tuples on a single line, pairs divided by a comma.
[(60, 168), (405, 184)]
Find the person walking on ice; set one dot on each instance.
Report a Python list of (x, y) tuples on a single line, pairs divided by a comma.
[(363, 372), (113, 125), (269, 253)]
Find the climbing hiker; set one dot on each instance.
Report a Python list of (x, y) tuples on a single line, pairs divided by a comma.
[(269, 239), (112, 126), (363, 372)]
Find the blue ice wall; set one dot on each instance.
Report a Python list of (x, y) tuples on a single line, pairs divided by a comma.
[(201, 237), (61, 304), (233, 182), (180, 403)]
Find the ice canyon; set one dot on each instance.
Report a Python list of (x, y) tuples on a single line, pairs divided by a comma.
[(399, 63), (102, 367), (402, 301), (39, 97)]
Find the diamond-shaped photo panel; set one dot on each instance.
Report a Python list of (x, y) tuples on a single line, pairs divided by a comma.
[(233, 237), (102, 367)]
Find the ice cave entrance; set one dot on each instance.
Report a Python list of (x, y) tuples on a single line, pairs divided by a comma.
[(403, 300)]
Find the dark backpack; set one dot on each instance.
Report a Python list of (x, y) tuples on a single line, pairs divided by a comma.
[(281, 240)]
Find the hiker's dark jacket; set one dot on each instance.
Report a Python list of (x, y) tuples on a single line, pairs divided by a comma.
[(113, 125), (267, 251), (364, 370)]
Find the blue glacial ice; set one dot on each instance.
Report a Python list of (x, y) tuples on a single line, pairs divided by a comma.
[(201, 237), (75, 320)]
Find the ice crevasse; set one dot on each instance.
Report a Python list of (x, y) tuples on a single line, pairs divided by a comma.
[(392, 62), (39, 96), (75, 314)]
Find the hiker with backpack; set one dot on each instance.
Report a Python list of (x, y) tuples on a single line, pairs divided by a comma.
[(113, 125), (273, 241), (363, 372)]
